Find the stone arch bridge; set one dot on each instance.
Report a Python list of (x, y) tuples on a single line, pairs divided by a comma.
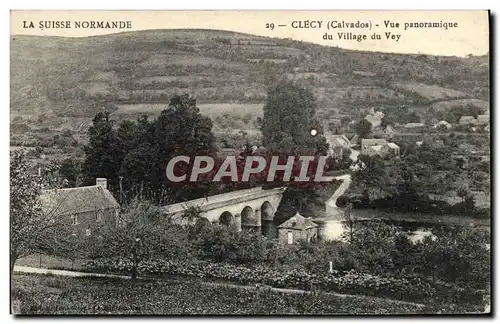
[(242, 209)]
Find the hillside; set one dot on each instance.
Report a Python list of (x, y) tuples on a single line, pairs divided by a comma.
[(60, 83)]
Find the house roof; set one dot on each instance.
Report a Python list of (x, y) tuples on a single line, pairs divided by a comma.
[(338, 141), (69, 201), (298, 222), (393, 145), (467, 119), (413, 125), (355, 139), (373, 141)]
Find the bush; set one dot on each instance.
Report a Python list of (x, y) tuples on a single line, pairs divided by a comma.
[(220, 243), (351, 282)]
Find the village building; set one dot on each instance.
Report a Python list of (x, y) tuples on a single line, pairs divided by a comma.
[(393, 148), (443, 124), (483, 119), (338, 144), (467, 120), (297, 228), (84, 209), (379, 147), (366, 143), (414, 125)]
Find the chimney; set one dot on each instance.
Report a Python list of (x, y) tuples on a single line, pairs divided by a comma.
[(103, 182)]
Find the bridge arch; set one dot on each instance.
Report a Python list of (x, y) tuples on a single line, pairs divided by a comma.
[(267, 214), (226, 218), (249, 218), (267, 210), (202, 221)]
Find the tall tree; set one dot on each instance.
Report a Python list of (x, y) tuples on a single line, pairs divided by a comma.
[(289, 117), (103, 154), (364, 128)]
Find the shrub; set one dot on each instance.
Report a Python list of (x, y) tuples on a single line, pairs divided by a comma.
[(220, 243), (404, 288)]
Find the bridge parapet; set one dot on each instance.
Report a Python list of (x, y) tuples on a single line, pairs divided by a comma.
[(247, 207)]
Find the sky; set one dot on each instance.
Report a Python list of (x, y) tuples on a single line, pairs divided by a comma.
[(470, 36)]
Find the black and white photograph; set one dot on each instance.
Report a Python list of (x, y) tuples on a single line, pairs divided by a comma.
[(250, 162)]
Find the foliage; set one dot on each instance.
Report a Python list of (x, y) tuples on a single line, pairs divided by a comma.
[(142, 232), (220, 243), (412, 180), (364, 128), (350, 282), (31, 228), (133, 156), (47, 295), (103, 155), (379, 260), (289, 116)]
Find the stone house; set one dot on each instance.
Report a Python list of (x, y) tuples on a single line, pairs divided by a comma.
[(415, 125), (379, 147), (367, 143), (337, 144), (443, 124), (467, 120), (82, 208), (483, 119), (297, 228)]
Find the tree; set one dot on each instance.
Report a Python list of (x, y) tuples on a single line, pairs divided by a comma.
[(142, 232), (70, 170), (51, 176), (364, 128), (103, 154), (344, 121), (462, 192), (386, 121), (289, 116), (347, 214), (31, 228), (413, 117), (134, 155)]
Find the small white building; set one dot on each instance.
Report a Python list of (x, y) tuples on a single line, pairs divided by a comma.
[(297, 228), (415, 125), (467, 120), (443, 124), (337, 144)]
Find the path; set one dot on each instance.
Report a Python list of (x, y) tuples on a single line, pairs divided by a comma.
[(21, 269), (331, 204)]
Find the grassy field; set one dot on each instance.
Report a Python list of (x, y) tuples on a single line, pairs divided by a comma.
[(450, 104), (431, 92), (39, 294)]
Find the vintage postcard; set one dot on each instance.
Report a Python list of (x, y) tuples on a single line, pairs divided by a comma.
[(250, 162)]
